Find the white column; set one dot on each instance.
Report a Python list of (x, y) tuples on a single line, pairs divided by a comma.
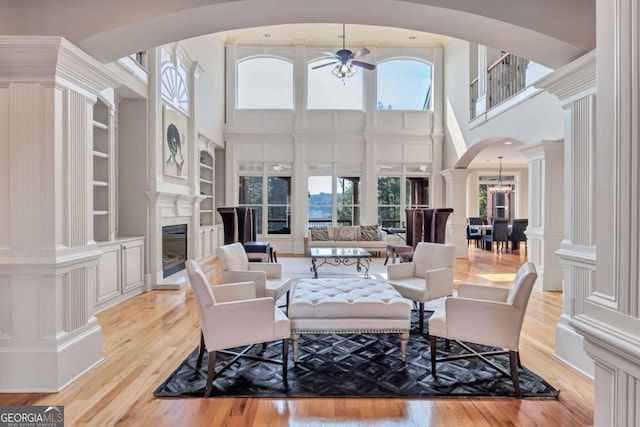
[(546, 210), (575, 86), (436, 186), (48, 332), (456, 198), (610, 322), (481, 103)]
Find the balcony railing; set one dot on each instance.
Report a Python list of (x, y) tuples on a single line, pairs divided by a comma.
[(505, 78), (473, 97)]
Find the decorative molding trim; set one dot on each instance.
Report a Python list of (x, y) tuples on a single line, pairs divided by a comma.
[(46, 58), (579, 256), (615, 338), (573, 81)]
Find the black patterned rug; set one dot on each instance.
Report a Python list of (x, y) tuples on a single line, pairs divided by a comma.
[(357, 365)]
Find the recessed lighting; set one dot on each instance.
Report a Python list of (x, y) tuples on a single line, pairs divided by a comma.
[(413, 38), (508, 143)]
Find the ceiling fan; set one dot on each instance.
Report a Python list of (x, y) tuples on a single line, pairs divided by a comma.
[(346, 60)]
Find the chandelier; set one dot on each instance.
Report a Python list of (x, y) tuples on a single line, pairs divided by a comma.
[(500, 187)]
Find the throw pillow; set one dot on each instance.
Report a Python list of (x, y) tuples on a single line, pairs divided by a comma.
[(347, 233), (319, 233), (369, 232)]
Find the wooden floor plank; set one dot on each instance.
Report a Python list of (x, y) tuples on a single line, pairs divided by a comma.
[(146, 338)]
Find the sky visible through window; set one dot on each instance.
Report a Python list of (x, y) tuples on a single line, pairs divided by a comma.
[(403, 84), (265, 83), (327, 92)]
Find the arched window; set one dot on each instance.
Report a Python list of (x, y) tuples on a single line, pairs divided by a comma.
[(327, 92), (265, 82), (404, 84)]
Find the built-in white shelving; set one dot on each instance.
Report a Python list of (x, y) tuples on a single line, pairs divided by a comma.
[(206, 189), (102, 175)]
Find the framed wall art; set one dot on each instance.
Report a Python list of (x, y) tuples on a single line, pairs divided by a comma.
[(175, 139)]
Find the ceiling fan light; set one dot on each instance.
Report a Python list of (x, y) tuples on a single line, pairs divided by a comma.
[(352, 71), (344, 68)]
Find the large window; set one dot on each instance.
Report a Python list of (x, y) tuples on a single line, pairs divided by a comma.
[(389, 206), (334, 200), (268, 192), (327, 92), (401, 187), (404, 84), (265, 83)]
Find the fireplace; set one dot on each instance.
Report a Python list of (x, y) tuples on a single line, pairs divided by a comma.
[(174, 248)]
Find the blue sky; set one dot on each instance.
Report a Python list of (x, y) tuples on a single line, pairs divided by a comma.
[(268, 83)]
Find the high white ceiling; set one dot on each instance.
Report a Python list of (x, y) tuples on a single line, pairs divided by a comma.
[(549, 32), (489, 156), (331, 35)]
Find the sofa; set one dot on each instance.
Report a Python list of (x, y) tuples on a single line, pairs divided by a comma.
[(368, 237)]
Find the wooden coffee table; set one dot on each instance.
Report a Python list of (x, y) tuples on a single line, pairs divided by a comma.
[(340, 256)]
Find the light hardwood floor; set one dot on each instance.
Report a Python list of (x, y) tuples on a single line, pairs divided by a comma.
[(146, 338)]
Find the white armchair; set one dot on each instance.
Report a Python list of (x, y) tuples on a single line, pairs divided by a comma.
[(236, 267), (231, 316), (485, 315), (427, 277)]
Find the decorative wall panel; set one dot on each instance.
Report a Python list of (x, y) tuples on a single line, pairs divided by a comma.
[(6, 308)]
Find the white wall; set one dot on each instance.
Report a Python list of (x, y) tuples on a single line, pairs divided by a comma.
[(208, 51), (539, 118), (340, 137)]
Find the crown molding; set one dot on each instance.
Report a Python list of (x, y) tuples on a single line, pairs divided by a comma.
[(573, 81), (46, 59)]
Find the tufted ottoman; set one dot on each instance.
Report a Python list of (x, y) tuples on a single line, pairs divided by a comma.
[(348, 305)]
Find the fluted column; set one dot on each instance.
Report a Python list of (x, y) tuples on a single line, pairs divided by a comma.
[(546, 211), (48, 332), (575, 87), (610, 322), (456, 198)]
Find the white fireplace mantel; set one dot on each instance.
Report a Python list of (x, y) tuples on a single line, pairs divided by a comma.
[(170, 209)]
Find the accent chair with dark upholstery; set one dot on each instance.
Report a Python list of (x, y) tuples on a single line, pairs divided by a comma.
[(231, 316), (439, 224), (417, 234), (396, 250), (427, 277), (267, 276), (485, 315)]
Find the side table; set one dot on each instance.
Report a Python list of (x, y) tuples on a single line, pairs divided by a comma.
[(260, 247)]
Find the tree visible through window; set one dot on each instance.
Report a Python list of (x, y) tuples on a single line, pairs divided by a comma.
[(404, 84), (389, 201), (323, 204), (270, 194), (279, 204)]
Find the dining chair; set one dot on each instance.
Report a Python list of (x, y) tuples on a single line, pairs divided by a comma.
[(517, 234), (499, 234)]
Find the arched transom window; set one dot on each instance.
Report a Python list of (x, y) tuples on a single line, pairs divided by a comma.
[(404, 84), (265, 83)]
